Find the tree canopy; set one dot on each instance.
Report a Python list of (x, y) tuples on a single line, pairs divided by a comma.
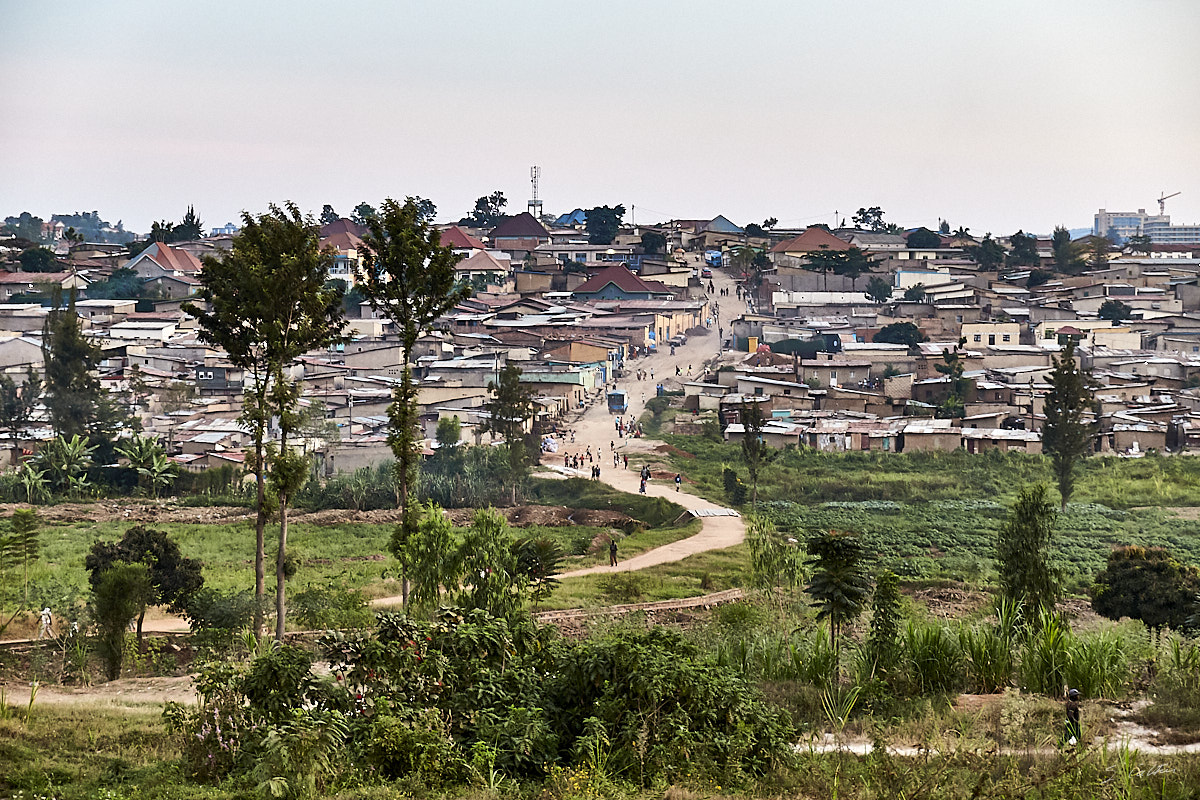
[(1115, 310), (603, 223), (900, 333), (488, 211), (1148, 584), (879, 289), (870, 219), (1024, 252)]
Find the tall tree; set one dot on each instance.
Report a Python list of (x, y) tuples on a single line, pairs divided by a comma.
[(328, 215), (1067, 258), (76, 402), (362, 212), (756, 453), (1024, 252), (407, 276), (1025, 553), (840, 585), (879, 289), (988, 254), (870, 218), (1139, 243), (16, 406), (488, 211), (509, 409), (270, 303), (1098, 248), (603, 223), (190, 228), (1067, 434)]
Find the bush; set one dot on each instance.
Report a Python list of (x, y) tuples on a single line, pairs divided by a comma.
[(935, 661), (330, 606)]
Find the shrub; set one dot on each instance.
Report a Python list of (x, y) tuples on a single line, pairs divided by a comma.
[(331, 605), (988, 654)]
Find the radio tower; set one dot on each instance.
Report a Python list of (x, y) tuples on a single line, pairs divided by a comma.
[(535, 205)]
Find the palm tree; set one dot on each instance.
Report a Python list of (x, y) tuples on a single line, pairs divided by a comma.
[(840, 585)]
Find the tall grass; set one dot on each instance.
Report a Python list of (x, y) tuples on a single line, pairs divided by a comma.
[(934, 658)]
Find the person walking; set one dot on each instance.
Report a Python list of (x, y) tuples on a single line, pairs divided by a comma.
[(46, 628), (678, 481), (625, 456), (612, 552)]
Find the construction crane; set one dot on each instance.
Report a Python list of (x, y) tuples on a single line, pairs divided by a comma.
[(1162, 202)]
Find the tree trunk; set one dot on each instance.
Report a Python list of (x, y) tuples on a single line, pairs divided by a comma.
[(280, 578), (260, 550), (141, 617)]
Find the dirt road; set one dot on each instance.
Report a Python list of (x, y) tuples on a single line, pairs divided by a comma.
[(596, 429)]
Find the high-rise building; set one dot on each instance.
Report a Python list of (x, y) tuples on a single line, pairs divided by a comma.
[(1133, 223)]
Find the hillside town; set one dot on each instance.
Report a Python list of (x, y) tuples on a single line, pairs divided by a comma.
[(854, 337)]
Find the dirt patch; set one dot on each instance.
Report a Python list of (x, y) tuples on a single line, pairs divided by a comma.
[(1080, 612), (674, 451), (948, 602), (134, 512), (974, 703)]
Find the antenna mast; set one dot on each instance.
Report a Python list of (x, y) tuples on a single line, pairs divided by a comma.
[(535, 205)]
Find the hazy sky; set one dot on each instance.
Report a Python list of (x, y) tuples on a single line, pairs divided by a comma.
[(996, 115)]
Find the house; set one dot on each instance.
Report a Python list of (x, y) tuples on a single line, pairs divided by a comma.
[(618, 283), (815, 239), (17, 283), (459, 240), (159, 260), (519, 234)]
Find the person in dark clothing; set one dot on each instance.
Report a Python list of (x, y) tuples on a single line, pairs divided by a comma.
[(612, 552), (1074, 733)]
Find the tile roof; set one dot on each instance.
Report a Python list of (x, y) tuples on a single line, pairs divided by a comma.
[(172, 258), (482, 261), (813, 239), (342, 240), (624, 280), (522, 226), (459, 239)]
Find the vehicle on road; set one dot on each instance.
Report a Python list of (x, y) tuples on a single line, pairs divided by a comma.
[(678, 340), (616, 401), (706, 273)]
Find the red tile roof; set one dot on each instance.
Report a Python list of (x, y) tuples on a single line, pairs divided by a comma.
[(811, 240), (173, 259), (342, 240), (342, 226), (459, 239)]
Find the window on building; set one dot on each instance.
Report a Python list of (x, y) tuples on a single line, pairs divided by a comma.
[(978, 337), (1007, 337), (832, 375), (991, 338)]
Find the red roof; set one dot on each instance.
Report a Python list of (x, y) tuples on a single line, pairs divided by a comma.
[(173, 259), (342, 226), (812, 240), (522, 226), (459, 239), (625, 280), (342, 240)]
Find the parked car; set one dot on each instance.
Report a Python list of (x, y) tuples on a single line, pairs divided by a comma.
[(678, 340), (706, 273)]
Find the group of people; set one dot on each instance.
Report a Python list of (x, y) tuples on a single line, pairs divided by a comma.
[(575, 461)]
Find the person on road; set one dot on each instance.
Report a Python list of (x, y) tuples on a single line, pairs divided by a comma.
[(1074, 733), (625, 456), (678, 481), (612, 552)]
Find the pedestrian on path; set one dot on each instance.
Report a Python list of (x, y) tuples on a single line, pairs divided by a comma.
[(678, 481), (47, 625), (612, 552), (642, 488), (626, 457)]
